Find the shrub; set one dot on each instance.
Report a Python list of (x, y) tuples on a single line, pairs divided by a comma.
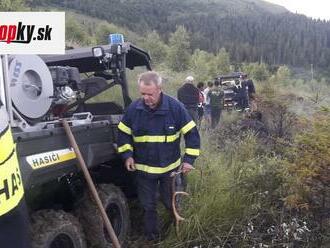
[(235, 185), (308, 174)]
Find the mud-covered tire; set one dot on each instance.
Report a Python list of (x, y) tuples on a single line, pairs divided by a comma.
[(56, 229), (115, 204)]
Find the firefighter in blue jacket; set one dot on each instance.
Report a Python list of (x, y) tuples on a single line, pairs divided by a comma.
[(149, 143)]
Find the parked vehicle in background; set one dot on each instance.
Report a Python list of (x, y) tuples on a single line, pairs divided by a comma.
[(230, 83)]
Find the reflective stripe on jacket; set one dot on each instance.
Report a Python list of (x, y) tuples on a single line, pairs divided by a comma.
[(152, 137)]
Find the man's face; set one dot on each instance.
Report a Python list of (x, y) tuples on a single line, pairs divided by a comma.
[(150, 94)]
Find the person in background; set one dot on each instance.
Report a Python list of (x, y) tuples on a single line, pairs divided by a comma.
[(200, 109), (241, 96), (188, 94), (216, 96), (207, 107), (250, 92), (250, 85), (149, 143)]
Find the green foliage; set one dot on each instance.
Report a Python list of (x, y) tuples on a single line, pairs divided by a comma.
[(114, 94), (156, 47), (231, 188), (102, 32), (200, 64), (76, 33), (283, 74), (247, 30), (309, 167), (319, 91), (82, 30), (221, 63), (278, 118), (179, 50), (257, 71), (12, 5), (207, 66)]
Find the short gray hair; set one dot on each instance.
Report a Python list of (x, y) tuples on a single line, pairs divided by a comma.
[(150, 77)]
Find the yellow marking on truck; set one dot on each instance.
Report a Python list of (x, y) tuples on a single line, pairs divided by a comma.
[(7, 145), (45, 159), (11, 186)]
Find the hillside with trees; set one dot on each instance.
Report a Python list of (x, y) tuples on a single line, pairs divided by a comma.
[(251, 31)]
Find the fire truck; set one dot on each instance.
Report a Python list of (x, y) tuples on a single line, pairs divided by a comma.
[(39, 91)]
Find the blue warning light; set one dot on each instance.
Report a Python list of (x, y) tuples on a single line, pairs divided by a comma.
[(116, 39)]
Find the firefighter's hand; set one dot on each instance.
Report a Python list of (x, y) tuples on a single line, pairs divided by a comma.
[(130, 164), (186, 168)]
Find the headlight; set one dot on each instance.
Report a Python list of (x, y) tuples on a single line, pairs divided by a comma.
[(98, 52)]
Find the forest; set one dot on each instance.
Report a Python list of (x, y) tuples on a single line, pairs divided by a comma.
[(251, 31)]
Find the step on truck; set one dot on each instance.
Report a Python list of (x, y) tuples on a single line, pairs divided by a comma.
[(37, 92)]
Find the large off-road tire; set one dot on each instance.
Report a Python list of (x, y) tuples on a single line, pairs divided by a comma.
[(56, 229), (115, 204)]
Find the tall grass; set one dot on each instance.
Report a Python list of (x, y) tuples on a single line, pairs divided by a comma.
[(237, 200), (225, 196)]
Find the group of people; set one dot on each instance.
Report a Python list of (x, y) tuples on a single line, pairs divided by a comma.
[(202, 102), (149, 138), (149, 144), (150, 132)]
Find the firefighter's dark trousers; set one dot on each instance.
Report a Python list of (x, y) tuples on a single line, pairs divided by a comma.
[(148, 187), (215, 116), (14, 228)]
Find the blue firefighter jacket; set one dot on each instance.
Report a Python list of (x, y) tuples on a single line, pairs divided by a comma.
[(152, 137)]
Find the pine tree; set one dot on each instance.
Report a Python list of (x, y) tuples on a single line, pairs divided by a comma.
[(156, 47), (200, 64), (221, 62), (179, 52)]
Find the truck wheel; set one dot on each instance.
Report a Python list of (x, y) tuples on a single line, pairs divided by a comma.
[(56, 229), (115, 204)]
